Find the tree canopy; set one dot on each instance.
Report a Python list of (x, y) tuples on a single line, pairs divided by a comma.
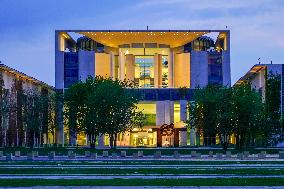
[(102, 106)]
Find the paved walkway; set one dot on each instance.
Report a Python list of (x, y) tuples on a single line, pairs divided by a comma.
[(149, 187), (135, 166)]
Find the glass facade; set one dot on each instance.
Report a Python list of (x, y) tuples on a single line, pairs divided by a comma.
[(143, 137), (144, 71), (215, 75), (87, 44), (149, 110), (202, 43), (71, 67), (165, 71)]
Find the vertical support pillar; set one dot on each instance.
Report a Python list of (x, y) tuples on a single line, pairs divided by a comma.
[(87, 143), (130, 67), (112, 65), (59, 118), (121, 62), (59, 85), (183, 110), (183, 138), (157, 70), (171, 69), (176, 138), (159, 138), (169, 112), (101, 141), (160, 113), (192, 137)]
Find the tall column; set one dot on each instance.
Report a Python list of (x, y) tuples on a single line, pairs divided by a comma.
[(121, 62), (101, 141), (183, 110), (169, 111), (159, 138), (171, 69), (183, 138), (59, 118), (112, 65), (160, 113), (157, 70), (130, 67), (192, 137), (176, 138)]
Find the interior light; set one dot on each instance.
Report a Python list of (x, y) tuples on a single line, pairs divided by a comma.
[(64, 35)]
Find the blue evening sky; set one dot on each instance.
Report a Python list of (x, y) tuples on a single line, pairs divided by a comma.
[(27, 27)]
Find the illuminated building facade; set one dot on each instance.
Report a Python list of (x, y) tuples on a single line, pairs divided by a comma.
[(160, 62)]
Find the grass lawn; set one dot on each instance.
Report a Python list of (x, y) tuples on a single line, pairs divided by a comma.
[(145, 182)]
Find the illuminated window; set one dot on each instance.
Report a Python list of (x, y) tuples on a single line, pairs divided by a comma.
[(144, 71), (149, 110)]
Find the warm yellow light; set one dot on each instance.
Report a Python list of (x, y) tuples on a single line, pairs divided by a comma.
[(64, 35)]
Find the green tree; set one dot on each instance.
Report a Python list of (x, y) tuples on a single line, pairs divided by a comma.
[(206, 106), (248, 110), (225, 116), (102, 106), (33, 114), (272, 132), (116, 107), (74, 104)]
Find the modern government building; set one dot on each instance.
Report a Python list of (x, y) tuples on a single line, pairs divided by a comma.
[(160, 62)]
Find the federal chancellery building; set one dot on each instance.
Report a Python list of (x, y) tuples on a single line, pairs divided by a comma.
[(160, 62)]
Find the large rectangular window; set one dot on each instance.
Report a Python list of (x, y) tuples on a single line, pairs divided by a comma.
[(144, 71), (71, 67), (215, 75), (149, 110)]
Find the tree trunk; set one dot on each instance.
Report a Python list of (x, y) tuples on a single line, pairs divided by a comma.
[(115, 140), (95, 139), (111, 140)]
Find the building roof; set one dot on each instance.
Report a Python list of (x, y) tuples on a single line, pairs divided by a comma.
[(253, 71), (22, 75), (114, 38)]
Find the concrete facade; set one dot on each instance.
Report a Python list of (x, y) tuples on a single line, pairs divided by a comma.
[(199, 69)]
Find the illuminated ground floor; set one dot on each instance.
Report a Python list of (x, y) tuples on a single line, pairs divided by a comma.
[(164, 136), (164, 127)]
